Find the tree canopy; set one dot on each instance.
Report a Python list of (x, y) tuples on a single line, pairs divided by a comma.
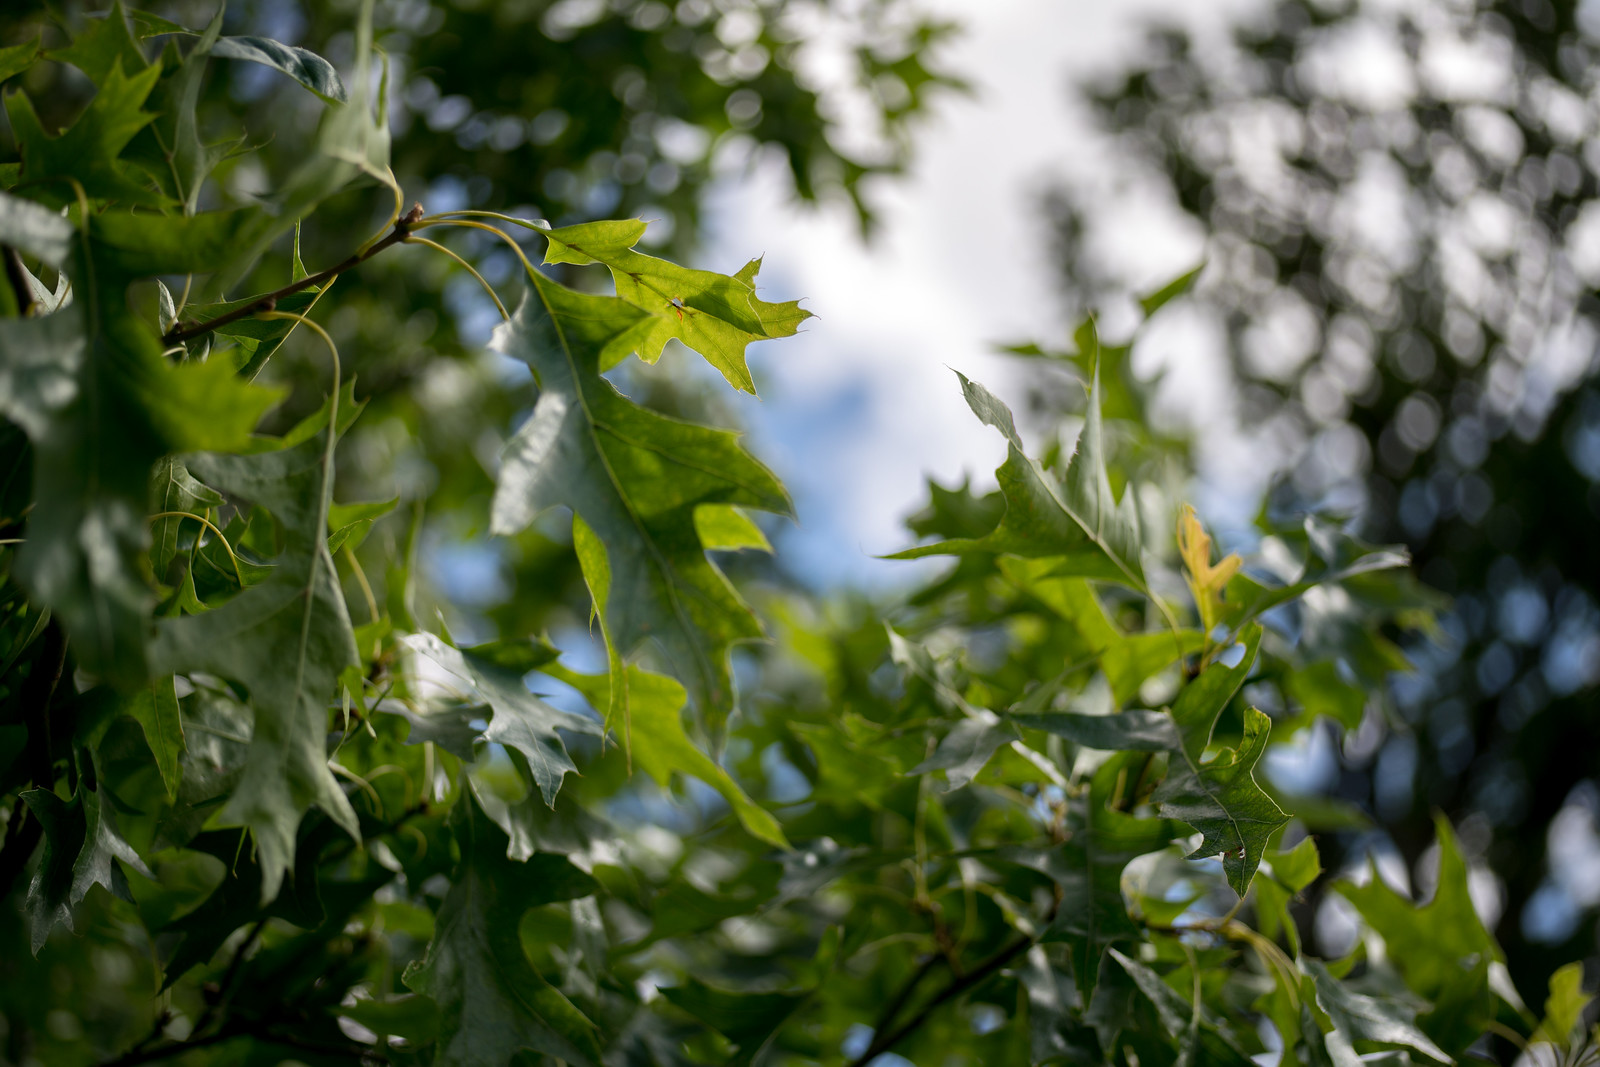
[(280, 787)]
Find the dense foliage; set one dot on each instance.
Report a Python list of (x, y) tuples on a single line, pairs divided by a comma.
[(265, 804), (1399, 207)]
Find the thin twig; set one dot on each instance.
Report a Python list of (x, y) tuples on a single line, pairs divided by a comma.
[(232, 973), (891, 1011), (269, 301), (882, 1043), (161, 1052), (16, 275)]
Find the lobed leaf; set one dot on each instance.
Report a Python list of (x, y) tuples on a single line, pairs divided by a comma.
[(636, 479), (1219, 796), (1078, 521), (717, 315), (491, 1001), (286, 640)]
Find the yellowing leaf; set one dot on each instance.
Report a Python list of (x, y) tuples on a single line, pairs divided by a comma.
[(1206, 580)]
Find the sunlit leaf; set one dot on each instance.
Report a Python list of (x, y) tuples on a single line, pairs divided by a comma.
[(635, 478), (717, 315)]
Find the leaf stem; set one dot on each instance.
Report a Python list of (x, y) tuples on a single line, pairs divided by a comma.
[(436, 246), (208, 524), (269, 301)]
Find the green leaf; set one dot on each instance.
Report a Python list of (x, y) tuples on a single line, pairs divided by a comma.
[(352, 140), (636, 479), (18, 58), (492, 1003), (87, 151), (1563, 1009), (155, 709), (1171, 291), (81, 845), (1384, 1020), (1091, 915), (1219, 797), (305, 67), (147, 25), (1079, 521), (519, 720), (452, 728), (1129, 660), (1440, 948), (1128, 731), (1199, 1040), (1331, 557), (141, 244), (1054, 1005), (519, 657), (176, 131), (726, 528), (349, 523), (174, 489), (101, 47), (1321, 690), (239, 899), (286, 641), (717, 315), (1297, 868), (99, 412), (662, 746), (749, 1020), (966, 749)]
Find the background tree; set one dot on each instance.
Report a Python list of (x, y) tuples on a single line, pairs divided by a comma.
[(272, 796), (1399, 206)]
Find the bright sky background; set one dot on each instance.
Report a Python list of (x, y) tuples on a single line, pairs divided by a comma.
[(857, 412)]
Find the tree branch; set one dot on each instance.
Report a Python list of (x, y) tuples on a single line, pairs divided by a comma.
[(891, 1011), (268, 301), (882, 1043), (16, 276), (145, 1054)]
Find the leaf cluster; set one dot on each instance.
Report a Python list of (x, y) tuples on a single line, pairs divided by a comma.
[(268, 805)]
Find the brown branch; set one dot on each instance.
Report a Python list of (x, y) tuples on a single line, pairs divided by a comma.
[(38, 690), (891, 1011), (882, 1043), (225, 988), (16, 274), (147, 1054), (259, 1032), (268, 301)]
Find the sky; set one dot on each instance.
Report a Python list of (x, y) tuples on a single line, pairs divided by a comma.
[(857, 412)]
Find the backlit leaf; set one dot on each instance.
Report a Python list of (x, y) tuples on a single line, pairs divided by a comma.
[(635, 478), (1078, 520), (661, 746), (717, 315)]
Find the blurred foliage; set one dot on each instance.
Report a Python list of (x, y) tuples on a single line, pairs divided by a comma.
[(1399, 207), (300, 767)]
